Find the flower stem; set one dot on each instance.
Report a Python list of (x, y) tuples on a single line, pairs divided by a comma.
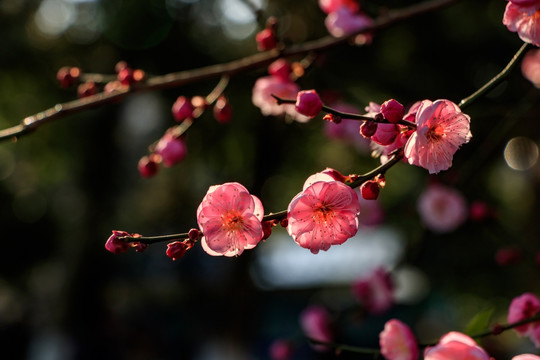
[(155, 239), (497, 79)]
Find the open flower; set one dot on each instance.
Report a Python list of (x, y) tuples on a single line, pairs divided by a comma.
[(230, 220), (456, 346), (523, 17), (398, 342), (441, 129), (325, 213)]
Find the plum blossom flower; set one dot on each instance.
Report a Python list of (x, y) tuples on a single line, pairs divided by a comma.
[(398, 342), (230, 220), (530, 67), (523, 307), (316, 324), (324, 213), (441, 129), (343, 21), (308, 103), (442, 209), (523, 17), (375, 291), (456, 346)]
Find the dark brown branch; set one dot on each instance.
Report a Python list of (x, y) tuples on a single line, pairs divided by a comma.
[(181, 78)]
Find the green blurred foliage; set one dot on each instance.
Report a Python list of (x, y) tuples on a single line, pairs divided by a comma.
[(66, 186)]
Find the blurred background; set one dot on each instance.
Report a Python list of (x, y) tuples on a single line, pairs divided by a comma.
[(66, 186)]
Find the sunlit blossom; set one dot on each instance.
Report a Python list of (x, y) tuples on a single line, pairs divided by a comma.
[(523, 17), (230, 220), (441, 129), (325, 213)]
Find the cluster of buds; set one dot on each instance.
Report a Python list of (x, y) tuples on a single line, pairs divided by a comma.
[(68, 76), (267, 38), (177, 249)]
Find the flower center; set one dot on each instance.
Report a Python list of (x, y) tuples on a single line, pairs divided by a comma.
[(435, 133), (323, 213), (232, 220)]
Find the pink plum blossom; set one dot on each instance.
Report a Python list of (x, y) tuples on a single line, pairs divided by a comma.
[(375, 291), (456, 346), (324, 213), (523, 307), (315, 322), (267, 86), (343, 21), (523, 17), (398, 342), (442, 209), (230, 220), (530, 67), (441, 129)]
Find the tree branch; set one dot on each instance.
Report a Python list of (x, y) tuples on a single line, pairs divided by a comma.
[(172, 80)]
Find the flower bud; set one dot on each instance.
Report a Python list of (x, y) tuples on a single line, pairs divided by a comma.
[(308, 103), (370, 190), (147, 166), (172, 150), (177, 249), (266, 40), (392, 111), (368, 129), (182, 109), (222, 110), (115, 245)]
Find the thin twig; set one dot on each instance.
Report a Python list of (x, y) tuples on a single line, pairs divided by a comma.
[(181, 78), (497, 79)]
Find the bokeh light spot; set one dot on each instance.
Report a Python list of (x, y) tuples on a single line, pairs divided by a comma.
[(521, 153)]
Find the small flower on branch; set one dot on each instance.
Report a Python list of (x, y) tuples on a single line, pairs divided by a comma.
[(230, 220)]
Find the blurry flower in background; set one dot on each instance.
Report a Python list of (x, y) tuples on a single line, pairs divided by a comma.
[(530, 67), (315, 322), (375, 291), (442, 209)]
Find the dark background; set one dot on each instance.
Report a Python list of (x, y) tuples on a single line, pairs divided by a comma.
[(66, 186)]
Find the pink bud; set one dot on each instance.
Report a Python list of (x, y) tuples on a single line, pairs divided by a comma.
[(194, 234), (386, 134), (177, 249), (281, 69), (182, 109), (172, 150), (370, 190), (392, 111), (125, 76), (398, 342), (308, 103), (68, 76), (222, 110), (368, 129), (147, 166), (86, 89), (115, 245), (266, 40)]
